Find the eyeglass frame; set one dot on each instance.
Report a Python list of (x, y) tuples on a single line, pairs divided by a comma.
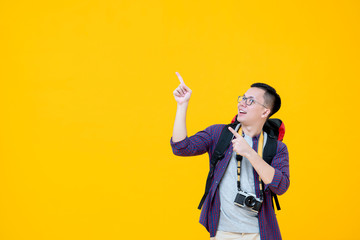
[(252, 101)]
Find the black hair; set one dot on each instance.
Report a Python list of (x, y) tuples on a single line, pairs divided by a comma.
[(272, 99)]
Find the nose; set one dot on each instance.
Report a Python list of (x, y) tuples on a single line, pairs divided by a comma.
[(242, 103)]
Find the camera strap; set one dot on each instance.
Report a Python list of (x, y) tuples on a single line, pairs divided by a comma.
[(239, 159)]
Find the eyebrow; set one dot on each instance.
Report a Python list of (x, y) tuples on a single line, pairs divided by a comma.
[(249, 97)]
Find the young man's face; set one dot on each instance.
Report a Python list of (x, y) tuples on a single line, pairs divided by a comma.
[(257, 111)]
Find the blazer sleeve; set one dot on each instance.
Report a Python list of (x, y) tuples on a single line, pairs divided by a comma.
[(280, 162), (197, 144)]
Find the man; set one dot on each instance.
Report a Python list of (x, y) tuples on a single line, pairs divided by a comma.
[(219, 215)]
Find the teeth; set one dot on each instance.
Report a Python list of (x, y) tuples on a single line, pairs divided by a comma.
[(241, 111)]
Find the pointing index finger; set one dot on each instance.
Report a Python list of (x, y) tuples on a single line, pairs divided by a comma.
[(180, 78), (235, 133)]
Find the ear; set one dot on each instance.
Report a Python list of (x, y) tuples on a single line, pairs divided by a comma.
[(266, 113)]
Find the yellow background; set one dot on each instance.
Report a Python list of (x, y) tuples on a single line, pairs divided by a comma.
[(87, 112)]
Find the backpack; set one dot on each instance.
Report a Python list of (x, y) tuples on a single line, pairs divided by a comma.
[(275, 130)]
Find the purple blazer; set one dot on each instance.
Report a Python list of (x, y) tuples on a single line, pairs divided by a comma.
[(205, 141)]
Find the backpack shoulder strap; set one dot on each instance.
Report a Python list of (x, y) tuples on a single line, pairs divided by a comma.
[(271, 128), (270, 149), (221, 146)]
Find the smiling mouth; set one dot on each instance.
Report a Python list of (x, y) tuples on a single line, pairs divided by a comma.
[(242, 112)]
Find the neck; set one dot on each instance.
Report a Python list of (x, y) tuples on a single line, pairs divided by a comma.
[(252, 130)]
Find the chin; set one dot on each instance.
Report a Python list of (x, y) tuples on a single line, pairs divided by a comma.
[(239, 119)]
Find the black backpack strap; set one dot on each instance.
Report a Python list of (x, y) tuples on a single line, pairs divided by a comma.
[(269, 154), (218, 154), (272, 126), (274, 196), (270, 148)]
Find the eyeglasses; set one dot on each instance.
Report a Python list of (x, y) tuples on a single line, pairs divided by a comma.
[(249, 101)]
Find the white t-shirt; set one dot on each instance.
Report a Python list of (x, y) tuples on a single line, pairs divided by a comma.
[(234, 218)]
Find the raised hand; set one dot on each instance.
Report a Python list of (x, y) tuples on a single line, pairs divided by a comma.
[(182, 93)]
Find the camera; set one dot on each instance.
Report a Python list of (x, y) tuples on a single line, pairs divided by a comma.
[(248, 201)]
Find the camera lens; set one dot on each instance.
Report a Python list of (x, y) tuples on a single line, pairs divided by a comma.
[(250, 201)]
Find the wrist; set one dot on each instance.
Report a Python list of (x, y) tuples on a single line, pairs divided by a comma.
[(182, 105), (250, 154)]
